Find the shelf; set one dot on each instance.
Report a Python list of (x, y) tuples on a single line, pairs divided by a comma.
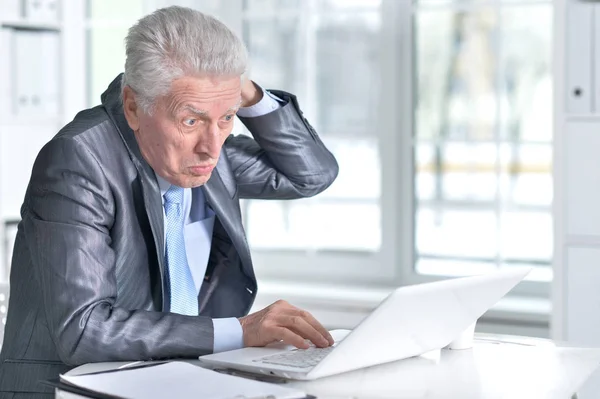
[(9, 219), (582, 117), (31, 25)]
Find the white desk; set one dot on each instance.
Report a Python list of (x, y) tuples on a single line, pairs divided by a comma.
[(517, 367)]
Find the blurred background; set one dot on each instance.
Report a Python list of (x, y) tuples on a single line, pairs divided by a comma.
[(466, 132), (440, 114), (476, 136)]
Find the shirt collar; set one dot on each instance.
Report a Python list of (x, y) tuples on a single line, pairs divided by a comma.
[(162, 184)]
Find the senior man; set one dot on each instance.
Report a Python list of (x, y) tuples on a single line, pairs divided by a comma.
[(131, 244)]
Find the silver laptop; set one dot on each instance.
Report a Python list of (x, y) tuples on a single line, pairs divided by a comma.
[(411, 321)]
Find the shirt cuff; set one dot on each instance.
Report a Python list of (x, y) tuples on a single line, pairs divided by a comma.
[(228, 334), (268, 103)]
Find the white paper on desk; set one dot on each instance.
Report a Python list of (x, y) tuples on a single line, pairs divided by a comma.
[(178, 380)]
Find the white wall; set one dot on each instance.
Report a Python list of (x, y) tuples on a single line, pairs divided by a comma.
[(576, 290)]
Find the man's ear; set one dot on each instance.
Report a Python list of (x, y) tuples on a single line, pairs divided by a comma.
[(131, 109)]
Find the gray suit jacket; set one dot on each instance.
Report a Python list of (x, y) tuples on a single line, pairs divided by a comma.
[(88, 281)]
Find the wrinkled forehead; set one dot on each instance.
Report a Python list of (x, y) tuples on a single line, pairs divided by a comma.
[(204, 95)]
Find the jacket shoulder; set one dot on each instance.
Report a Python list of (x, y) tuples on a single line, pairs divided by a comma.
[(84, 122)]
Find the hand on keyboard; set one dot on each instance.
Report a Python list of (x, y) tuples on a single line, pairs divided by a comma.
[(284, 322)]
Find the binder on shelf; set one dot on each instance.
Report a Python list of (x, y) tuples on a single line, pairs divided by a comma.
[(41, 10), (37, 80), (49, 86), (11, 9), (51, 10), (579, 53), (32, 10), (6, 74), (26, 50)]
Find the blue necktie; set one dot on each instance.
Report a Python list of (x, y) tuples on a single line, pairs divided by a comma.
[(184, 298)]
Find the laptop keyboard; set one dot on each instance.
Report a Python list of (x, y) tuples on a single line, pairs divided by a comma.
[(301, 358)]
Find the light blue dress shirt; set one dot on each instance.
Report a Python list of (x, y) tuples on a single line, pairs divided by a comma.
[(198, 228)]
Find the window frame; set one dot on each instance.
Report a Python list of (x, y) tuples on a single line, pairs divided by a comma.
[(375, 269), (395, 263), (527, 288)]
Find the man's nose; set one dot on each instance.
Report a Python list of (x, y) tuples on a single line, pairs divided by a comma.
[(211, 142)]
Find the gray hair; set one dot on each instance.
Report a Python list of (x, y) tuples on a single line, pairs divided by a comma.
[(174, 42)]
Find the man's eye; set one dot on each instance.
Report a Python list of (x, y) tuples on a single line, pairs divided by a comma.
[(190, 122), (228, 118)]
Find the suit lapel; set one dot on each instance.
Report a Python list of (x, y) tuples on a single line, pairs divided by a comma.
[(226, 209), (152, 196), (153, 204), (150, 188)]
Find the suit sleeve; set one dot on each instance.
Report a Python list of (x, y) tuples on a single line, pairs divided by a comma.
[(67, 221), (285, 159)]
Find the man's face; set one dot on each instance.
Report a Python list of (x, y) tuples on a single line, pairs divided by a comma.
[(182, 139)]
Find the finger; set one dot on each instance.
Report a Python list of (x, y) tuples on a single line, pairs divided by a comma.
[(301, 327), (282, 307), (291, 338), (316, 325)]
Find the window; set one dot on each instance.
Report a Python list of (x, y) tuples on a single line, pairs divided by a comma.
[(330, 54), (327, 53), (483, 137), (107, 23), (438, 112), (479, 135)]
